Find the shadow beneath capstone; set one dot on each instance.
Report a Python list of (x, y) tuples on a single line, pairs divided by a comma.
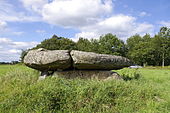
[(83, 74)]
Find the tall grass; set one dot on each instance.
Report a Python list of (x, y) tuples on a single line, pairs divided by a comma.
[(22, 92), (9, 68)]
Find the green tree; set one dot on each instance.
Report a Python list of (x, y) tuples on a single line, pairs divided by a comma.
[(23, 53), (110, 44), (148, 50), (165, 35), (95, 45), (161, 44), (84, 45), (107, 44), (57, 43), (133, 41), (141, 50), (142, 54)]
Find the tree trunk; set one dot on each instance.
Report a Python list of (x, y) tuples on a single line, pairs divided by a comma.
[(163, 60), (145, 64)]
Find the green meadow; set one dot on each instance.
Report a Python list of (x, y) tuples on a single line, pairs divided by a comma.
[(145, 90)]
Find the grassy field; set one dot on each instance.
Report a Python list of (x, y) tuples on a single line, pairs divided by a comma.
[(5, 69), (147, 93)]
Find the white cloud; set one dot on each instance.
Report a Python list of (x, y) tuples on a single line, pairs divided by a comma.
[(165, 23), (143, 28), (8, 13), (92, 17), (40, 31), (75, 13), (35, 5), (5, 41), (85, 34), (70, 13), (18, 33), (4, 28), (3, 25), (143, 13), (14, 51), (121, 25), (10, 50)]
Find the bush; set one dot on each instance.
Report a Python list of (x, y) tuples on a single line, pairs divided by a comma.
[(129, 74)]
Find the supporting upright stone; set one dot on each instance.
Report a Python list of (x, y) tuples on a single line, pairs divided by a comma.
[(91, 74)]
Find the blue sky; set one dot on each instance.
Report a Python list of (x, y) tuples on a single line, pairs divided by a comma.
[(25, 23)]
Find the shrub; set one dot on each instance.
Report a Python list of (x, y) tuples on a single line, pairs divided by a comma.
[(129, 74)]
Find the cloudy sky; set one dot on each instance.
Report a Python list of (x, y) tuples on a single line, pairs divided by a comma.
[(25, 23)]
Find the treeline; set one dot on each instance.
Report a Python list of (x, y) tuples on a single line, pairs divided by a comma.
[(107, 44), (142, 50), (12, 62)]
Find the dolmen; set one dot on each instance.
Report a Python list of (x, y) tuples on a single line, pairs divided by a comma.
[(72, 64)]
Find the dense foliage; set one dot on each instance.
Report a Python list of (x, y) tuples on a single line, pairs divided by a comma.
[(107, 44), (149, 50), (142, 50), (57, 43)]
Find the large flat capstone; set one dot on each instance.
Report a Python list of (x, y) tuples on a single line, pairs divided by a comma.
[(90, 60), (53, 60), (48, 60)]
